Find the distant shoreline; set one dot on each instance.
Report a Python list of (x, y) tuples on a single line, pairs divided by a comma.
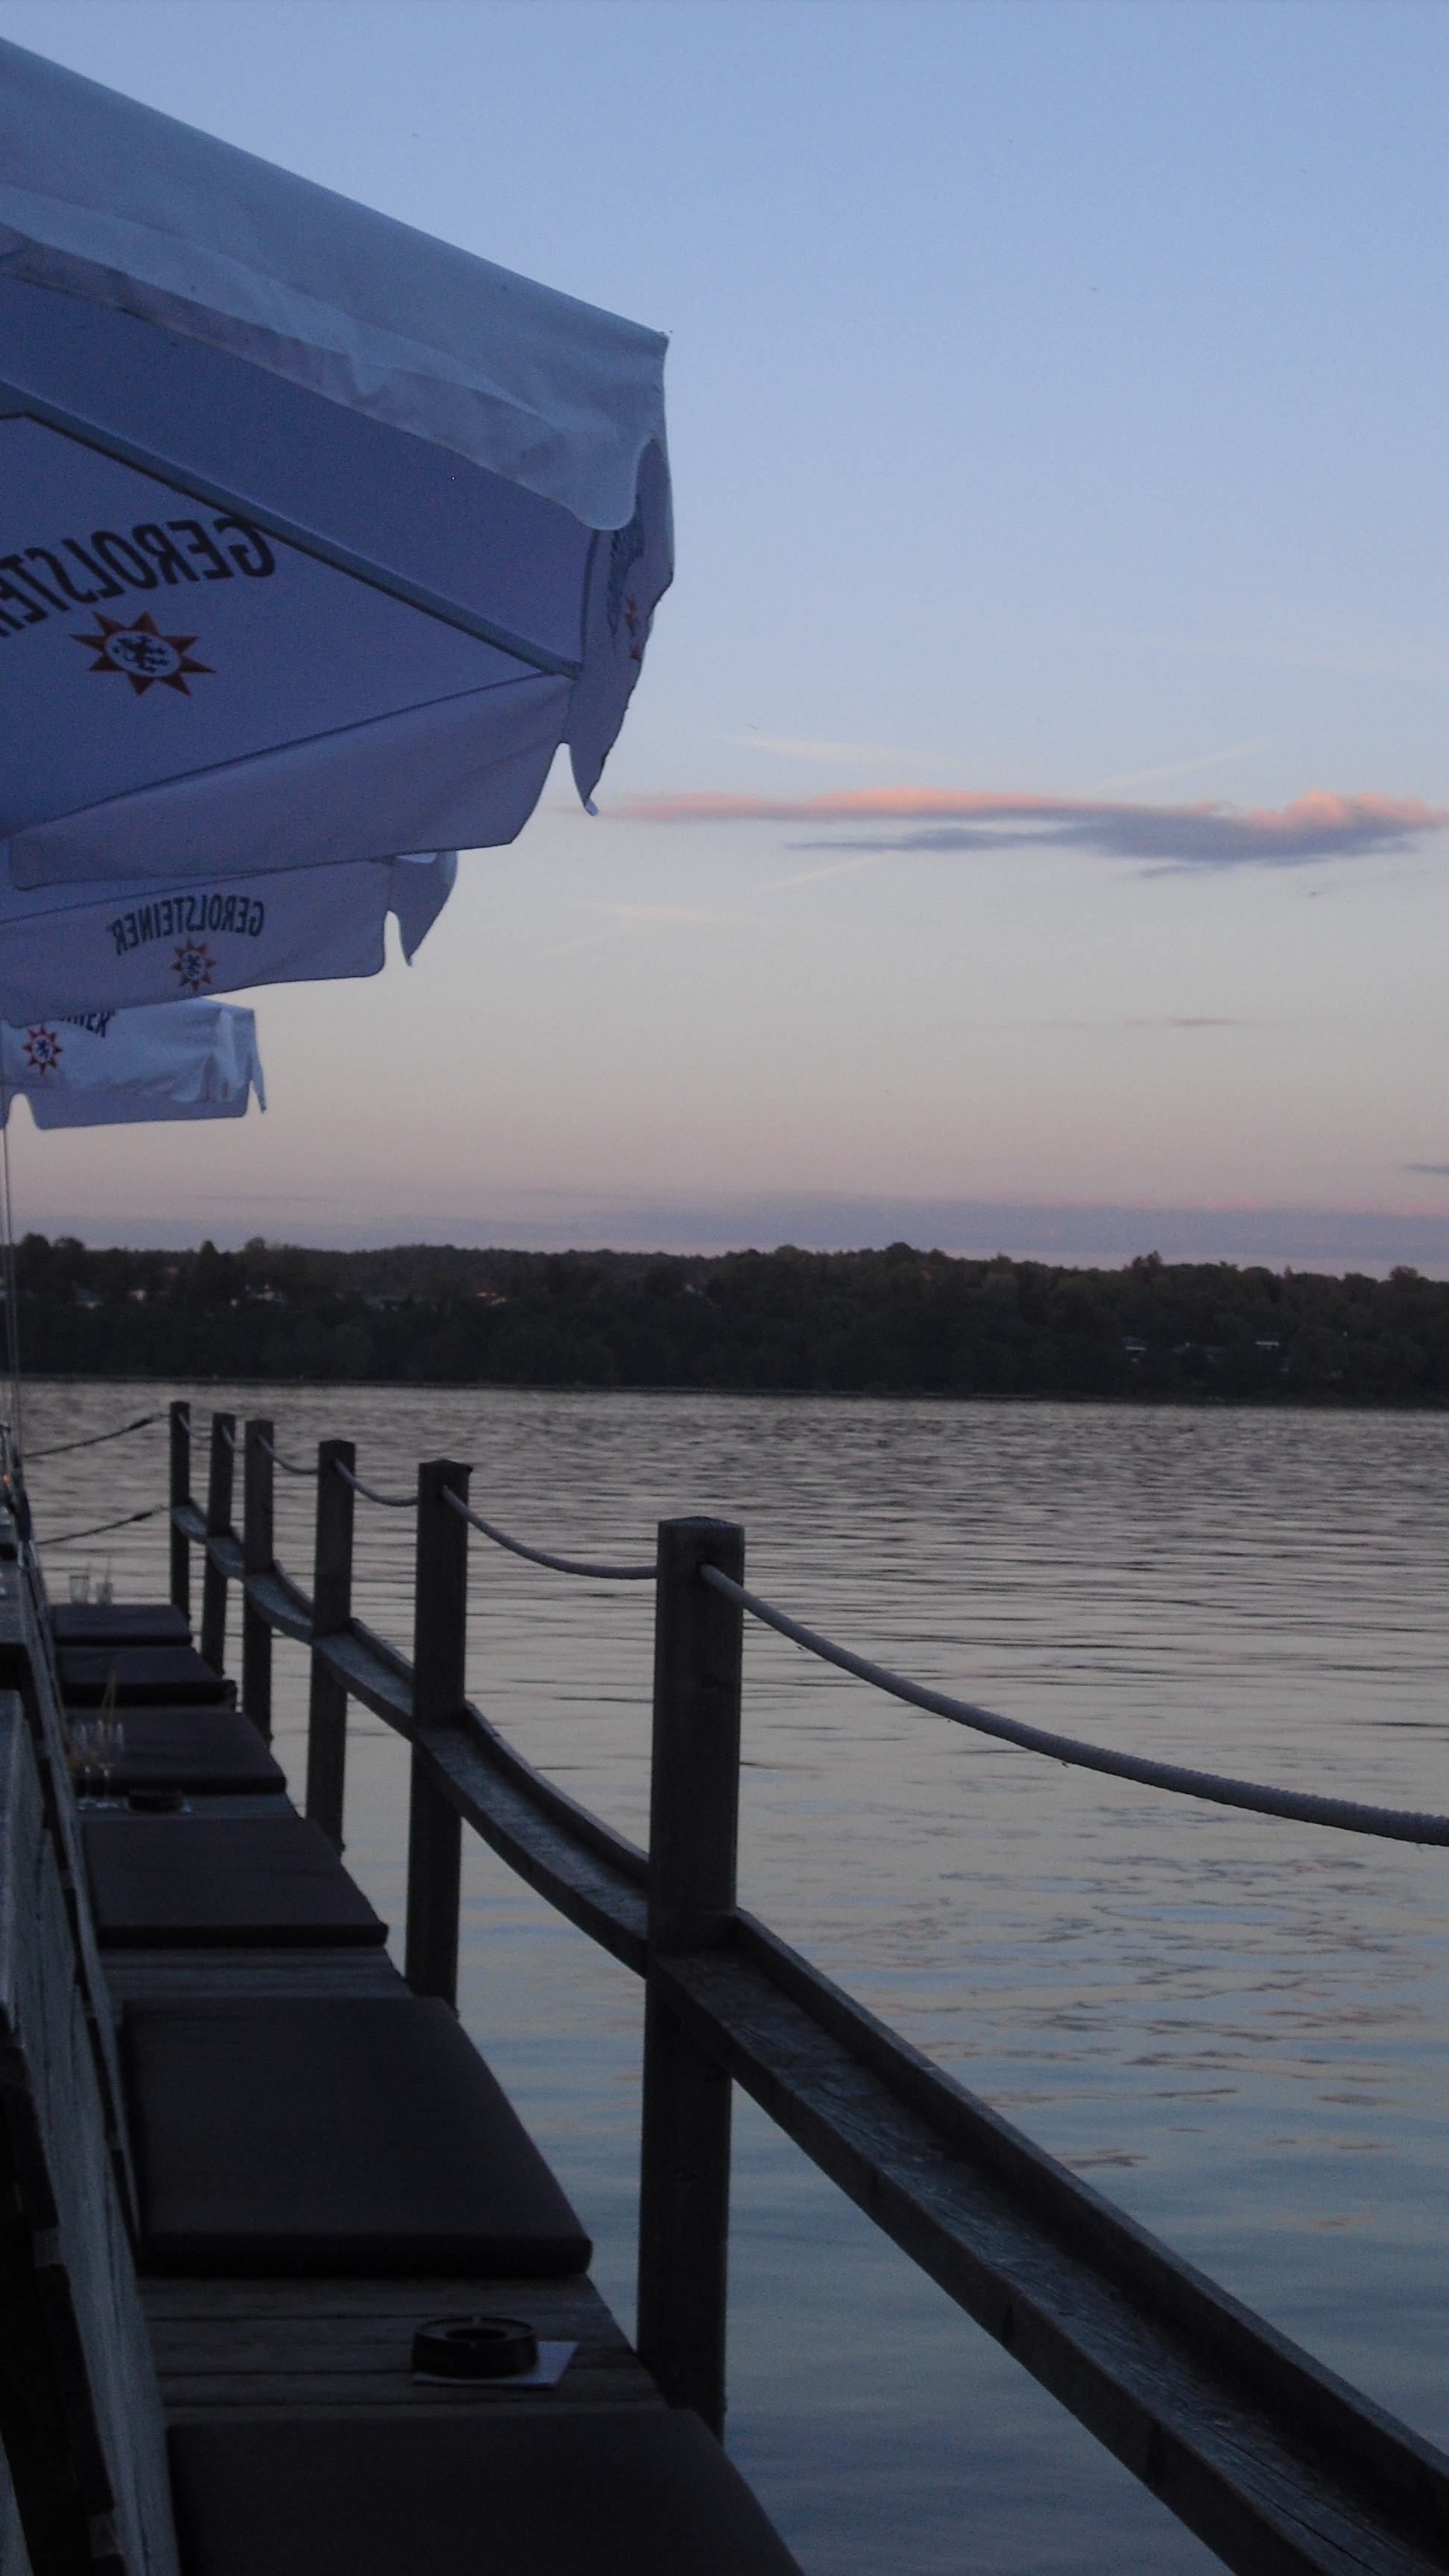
[(904, 1322), (1208, 1402)]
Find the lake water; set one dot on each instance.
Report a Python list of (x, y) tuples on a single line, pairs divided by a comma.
[(1238, 2028)]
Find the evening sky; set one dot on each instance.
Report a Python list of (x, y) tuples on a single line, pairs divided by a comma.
[(1058, 403)]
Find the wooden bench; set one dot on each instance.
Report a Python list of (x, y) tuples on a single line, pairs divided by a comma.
[(119, 1623), (403, 2475), (140, 1677), (204, 1882), (203, 1752)]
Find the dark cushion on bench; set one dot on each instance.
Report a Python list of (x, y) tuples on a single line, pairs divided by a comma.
[(146, 1676), (119, 1623), (636, 2492), (332, 2135), (191, 1881), (200, 1750)]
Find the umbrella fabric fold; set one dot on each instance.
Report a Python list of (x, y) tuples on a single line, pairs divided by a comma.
[(111, 201), (122, 1068), (323, 535), (88, 948)]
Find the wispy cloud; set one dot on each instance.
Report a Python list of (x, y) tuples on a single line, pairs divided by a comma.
[(1319, 825), (1181, 768), (1109, 1029), (837, 868), (835, 754), (679, 915), (624, 917), (1440, 1170), (1349, 658)]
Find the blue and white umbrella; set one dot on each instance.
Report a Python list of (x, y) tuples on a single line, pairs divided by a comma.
[(319, 536), (105, 948), (122, 1068)]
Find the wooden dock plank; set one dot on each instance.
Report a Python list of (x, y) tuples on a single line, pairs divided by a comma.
[(187, 1976), (269, 2347), (263, 2348)]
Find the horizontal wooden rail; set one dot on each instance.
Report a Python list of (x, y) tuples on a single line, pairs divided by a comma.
[(222, 1547), (594, 1878), (351, 1657), (1276, 2464), (591, 1874), (281, 1604)]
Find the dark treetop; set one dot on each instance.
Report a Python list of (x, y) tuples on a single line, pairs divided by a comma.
[(900, 1322)]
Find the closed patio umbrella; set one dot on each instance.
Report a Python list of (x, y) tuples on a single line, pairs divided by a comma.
[(320, 536)]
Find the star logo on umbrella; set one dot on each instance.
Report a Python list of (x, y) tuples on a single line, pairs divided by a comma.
[(194, 965), (43, 1049), (141, 653)]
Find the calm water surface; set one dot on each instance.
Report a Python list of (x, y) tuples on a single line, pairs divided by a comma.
[(1236, 2027)]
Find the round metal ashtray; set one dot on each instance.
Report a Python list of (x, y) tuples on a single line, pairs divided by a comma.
[(474, 2348)]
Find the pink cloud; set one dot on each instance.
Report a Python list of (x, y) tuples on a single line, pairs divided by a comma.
[(1318, 825)]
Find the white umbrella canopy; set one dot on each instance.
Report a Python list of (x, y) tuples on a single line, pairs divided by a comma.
[(122, 1068), (105, 948), (320, 536)]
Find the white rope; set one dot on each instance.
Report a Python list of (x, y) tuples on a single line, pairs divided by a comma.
[(66, 1536), (62, 1448), (285, 1464), (1390, 1822), (536, 1556), (391, 1502)]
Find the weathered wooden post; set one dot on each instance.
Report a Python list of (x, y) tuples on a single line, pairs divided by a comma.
[(180, 1497), (684, 2182), (218, 1525), (331, 1611), (440, 1627), (258, 1557)]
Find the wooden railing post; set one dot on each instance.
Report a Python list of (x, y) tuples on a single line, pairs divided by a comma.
[(435, 1833), (684, 2181), (180, 1496), (218, 1524), (331, 1611), (259, 1555)]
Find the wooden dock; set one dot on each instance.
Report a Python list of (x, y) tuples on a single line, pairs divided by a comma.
[(283, 2212), (117, 2367)]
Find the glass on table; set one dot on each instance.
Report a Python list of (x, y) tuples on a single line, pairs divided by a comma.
[(83, 1752), (110, 1734)]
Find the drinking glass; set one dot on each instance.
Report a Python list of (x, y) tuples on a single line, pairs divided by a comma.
[(84, 1752), (80, 1586), (110, 1742)]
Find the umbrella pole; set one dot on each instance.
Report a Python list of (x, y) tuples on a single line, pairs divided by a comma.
[(12, 1303)]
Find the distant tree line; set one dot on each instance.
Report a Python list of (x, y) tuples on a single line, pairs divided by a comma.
[(894, 1322)]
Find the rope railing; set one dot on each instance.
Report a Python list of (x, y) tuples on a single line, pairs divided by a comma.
[(539, 1556), (62, 1448), (1113, 2322), (67, 1537), (1392, 1823), (285, 1464), (390, 1502)]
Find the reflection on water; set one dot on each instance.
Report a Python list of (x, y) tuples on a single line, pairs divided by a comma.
[(1235, 2026)]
